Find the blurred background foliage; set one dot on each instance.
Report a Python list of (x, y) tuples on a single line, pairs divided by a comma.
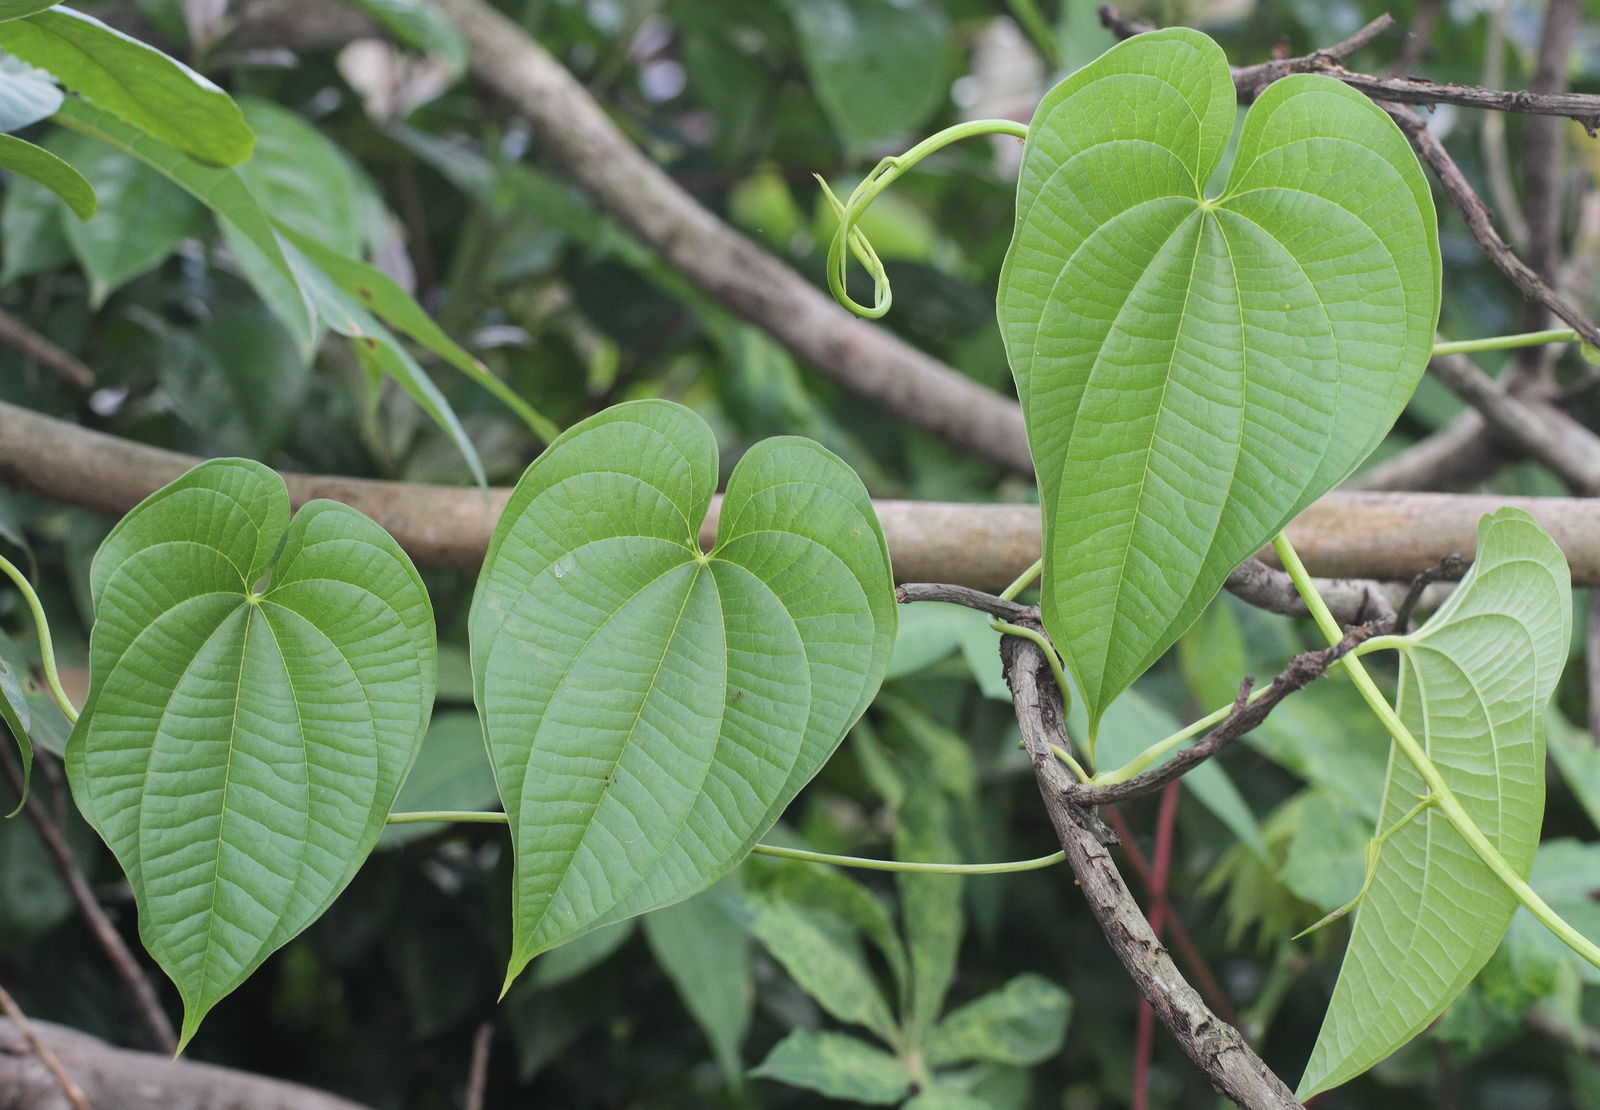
[(860, 987)]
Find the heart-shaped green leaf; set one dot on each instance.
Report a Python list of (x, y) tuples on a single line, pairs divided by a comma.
[(1196, 371), (649, 709), (258, 690), (1474, 685)]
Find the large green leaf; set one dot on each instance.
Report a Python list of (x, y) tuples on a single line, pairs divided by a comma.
[(1474, 684), (258, 690), (161, 97), (304, 180), (650, 710), (1194, 371)]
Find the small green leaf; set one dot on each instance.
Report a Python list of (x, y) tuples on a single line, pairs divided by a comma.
[(32, 232), (381, 353), (878, 66), (381, 295), (1022, 1023), (1195, 371), (1474, 684), (258, 691), (699, 944), (142, 216), (837, 1066), (38, 164), (220, 189), (651, 710), (161, 97), (829, 889), (821, 954), (930, 905)]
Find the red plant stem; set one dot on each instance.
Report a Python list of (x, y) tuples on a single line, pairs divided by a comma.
[(1144, 1041), (1182, 942)]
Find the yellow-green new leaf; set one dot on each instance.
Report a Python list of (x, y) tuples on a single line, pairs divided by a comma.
[(1196, 370), (650, 710), (1475, 682), (258, 690)]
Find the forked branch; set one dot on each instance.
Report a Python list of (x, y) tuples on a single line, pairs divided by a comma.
[(1215, 1047)]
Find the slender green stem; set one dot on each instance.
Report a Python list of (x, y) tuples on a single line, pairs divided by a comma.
[(448, 817), (1024, 580), (1037, 28), (47, 651), (884, 174), (1072, 764), (1050, 655), (1381, 643), (1506, 342), (913, 868), (483, 817), (1374, 846), (1443, 796), (1151, 755)]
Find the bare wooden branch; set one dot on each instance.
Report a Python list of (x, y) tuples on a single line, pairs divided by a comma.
[(125, 1080), (35, 347), (1215, 1047), (733, 270), (965, 595), (1246, 715), (1535, 429), (1448, 569), (1387, 536), (1353, 600), (9, 1007)]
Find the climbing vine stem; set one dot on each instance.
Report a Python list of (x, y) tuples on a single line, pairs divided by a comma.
[(1442, 796), (47, 650), (884, 174), (494, 817)]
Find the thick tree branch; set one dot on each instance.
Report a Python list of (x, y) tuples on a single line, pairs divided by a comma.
[(115, 1077), (1344, 535), (747, 279), (1215, 1047)]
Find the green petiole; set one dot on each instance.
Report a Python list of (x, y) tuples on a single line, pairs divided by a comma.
[(494, 817), (1506, 342), (47, 650)]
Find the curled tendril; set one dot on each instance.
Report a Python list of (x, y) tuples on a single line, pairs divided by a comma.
[(882, 176)]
